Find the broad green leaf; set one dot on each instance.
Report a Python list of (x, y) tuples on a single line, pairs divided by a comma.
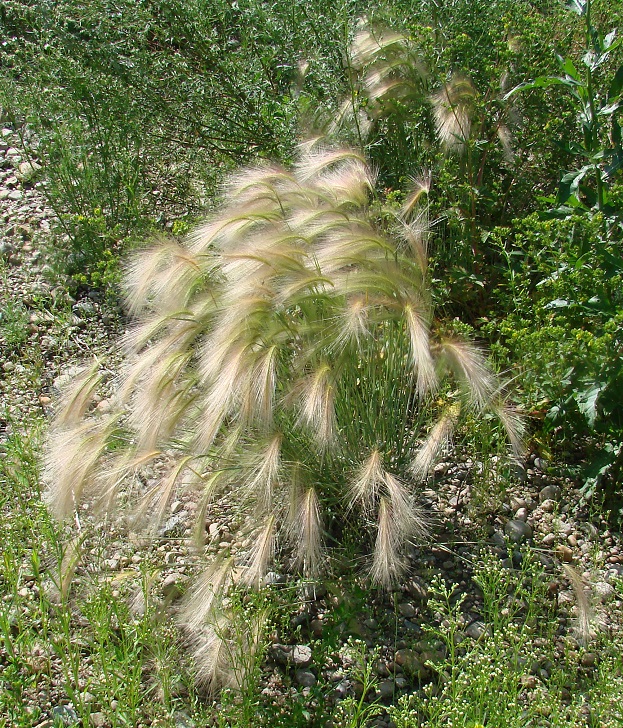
[(569, 67), (616, 85), (557, 303), (602, 462), (587, 401), (577, 6), (543, 82)]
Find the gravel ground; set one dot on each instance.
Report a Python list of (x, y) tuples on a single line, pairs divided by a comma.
[(57, 332)]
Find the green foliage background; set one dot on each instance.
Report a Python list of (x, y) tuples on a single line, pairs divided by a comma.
[(139, 109)]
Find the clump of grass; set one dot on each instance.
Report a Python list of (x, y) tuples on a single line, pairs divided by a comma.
[(286, 356), (256, 347), (14, 322)]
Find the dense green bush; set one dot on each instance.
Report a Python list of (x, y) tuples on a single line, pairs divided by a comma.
[(141, 108), (138, 109), (562, 299)]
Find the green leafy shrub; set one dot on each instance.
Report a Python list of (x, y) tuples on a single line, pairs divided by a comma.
[(598, 149), (562, 289), (435, 100), (139, 111)]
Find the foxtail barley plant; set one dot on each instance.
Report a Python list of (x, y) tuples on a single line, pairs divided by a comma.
[(286, 357)]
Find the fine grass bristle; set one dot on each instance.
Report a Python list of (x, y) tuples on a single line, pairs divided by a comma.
[(470, 367), (262, 474), (73, 459), (388, 563), (290, 333), (584, 623), (202, 603), (435, 443), (365, 486), (78, 398), (317, 410), (453, 107), (306, 533), (261, 554)]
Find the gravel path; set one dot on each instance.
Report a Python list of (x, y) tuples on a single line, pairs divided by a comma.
[(45, 333)]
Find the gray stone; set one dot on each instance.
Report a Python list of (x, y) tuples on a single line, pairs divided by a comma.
[(550, 492), (497, 538), (409, 661), (407, 610), (287, 655), (603, 590), (97, 720), (26, 171), (548, 539), (301, 655), (174, 524), (305, 678), (173, 585), (387, 689), (65, 714), (272, 578), (342, 689), (518, 531), (417, 590), (183, 720), (476, 630), (176, 507)]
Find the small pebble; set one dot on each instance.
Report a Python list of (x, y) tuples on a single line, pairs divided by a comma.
[(564, 553)]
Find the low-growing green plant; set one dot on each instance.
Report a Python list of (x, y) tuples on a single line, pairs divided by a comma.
[(14, 321), (359, 712), (498, 680)]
